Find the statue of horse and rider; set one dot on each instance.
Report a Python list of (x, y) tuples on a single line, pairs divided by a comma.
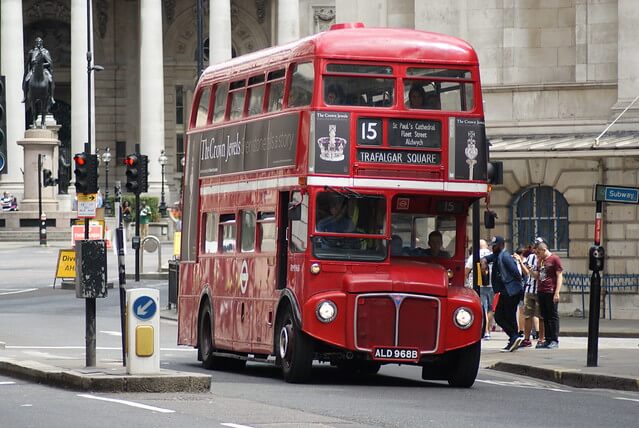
[(38, 84)]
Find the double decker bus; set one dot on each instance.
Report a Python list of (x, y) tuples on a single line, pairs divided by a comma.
[(325, 201)]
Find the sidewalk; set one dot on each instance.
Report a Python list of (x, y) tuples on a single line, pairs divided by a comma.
[(618, 356)]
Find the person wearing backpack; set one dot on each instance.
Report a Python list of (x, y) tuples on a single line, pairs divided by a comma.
[(507, 281)]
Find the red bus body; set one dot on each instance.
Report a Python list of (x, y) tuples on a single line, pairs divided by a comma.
[(260, 273)]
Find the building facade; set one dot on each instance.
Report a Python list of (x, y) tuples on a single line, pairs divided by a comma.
[(555, 74)]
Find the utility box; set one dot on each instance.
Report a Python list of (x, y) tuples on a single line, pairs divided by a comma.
[(90, 269), (143, 331)]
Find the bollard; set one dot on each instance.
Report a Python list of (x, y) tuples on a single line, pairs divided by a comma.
[(143, 331), (155, 241)]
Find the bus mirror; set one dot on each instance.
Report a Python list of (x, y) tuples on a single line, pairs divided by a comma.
[(489, 219), (294, 211)]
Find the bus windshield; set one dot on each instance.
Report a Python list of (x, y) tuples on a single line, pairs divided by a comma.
[(344, 212), (423, 235)]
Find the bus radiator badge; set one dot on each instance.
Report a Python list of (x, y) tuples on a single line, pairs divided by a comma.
[(332, 147)]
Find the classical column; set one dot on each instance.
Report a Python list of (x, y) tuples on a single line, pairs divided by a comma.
[(12, 66), (220, 45), (151, 87), (79, 78), (288, 21), (628, 61)]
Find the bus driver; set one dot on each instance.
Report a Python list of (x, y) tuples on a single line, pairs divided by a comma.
[(338, 221)]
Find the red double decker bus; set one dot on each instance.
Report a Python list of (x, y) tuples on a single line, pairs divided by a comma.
[(326, 193)]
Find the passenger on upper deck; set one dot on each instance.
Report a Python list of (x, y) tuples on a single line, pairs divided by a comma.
[(416, 96), (334, 95)]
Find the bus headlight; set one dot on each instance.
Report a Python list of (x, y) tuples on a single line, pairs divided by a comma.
[(463, 318), (326, 311)]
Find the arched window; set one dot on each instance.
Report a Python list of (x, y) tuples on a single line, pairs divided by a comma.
[(540, 211)]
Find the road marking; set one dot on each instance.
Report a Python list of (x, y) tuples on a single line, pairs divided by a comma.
[(627, 399), (127, 403), (111, 333), (26, 290), (235, 425), (519, 384), (7, 383)]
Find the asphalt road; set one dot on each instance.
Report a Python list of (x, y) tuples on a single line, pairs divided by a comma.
[(47, 323)]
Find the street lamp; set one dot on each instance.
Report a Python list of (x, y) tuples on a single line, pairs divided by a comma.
[(163, 159), (106, 158)]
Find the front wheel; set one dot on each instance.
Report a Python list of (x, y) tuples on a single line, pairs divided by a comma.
[(294, 350), (464, 365)]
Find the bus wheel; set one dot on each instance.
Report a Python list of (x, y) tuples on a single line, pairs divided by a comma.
[(205, 339), (463, 366), (294, 350)]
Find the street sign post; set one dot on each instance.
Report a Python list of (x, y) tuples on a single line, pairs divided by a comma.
[(618, 194)]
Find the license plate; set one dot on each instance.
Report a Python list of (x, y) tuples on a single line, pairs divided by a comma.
[(396, 354)]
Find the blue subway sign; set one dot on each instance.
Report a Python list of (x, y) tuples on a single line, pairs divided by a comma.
[(619, 194)]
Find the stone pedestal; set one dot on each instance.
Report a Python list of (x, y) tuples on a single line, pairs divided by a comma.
[(36, 142)]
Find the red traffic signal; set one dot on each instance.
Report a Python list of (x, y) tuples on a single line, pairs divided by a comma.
[(136, 173), (86, 173)]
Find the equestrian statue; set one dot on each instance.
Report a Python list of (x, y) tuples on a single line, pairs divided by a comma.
[(38, 84)]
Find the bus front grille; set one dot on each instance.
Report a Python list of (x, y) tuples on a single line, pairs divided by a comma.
[(403, 320)]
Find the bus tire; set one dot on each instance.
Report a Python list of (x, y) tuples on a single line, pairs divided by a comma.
[(294, 350), (464, 365), (205, 339)]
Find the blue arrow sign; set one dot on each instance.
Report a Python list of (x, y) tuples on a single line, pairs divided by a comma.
[(619, 194), (144, 308)]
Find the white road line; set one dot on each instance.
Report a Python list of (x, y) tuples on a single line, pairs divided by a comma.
[(627, 399), (519, 384), (111, 333), (26, 290), (7, 383), (127, 403), (235, 425)]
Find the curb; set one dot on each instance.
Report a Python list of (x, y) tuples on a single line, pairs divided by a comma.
[(98, 380), (569, 377)]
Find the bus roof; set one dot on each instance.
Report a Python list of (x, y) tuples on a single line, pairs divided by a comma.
[(353, 42)]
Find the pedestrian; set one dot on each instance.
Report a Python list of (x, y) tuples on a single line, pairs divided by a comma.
[(549, 275), (519, 257), (507, 281), (145, 219), (486, 292)]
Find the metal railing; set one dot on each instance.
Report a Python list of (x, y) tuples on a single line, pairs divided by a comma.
[(610, 284)]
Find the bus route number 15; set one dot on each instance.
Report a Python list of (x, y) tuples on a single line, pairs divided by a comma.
[(369, 132)]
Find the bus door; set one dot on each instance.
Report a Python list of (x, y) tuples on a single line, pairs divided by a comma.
[(294, 242)]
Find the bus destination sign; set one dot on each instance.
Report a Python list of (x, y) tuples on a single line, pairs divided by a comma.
[(406, 157), (415, 134)]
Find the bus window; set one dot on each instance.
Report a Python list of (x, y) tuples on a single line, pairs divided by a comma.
[(424, 235), (361, 91), (203, 108), (247, 233), (266, 228), (448, 89), (210, 233), (301, 90), (227, 232), (220, 102), (236, 95), (275, 90), (299, 228), (256, 94)]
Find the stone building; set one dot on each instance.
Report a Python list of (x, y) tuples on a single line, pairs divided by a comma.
[(555, 74)]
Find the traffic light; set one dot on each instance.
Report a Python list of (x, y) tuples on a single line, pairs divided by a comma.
[(137, 170), (47, 178), (495, 172), (86, 173), (3, 126)]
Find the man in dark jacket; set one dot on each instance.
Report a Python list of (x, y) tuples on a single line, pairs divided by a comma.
[(507, 281)]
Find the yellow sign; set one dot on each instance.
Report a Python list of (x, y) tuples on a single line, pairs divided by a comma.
[(66, 264), (177, 239)]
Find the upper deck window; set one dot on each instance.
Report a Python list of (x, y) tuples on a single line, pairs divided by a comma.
[(203, 108), (301, 90), (276, 90), (439, 89), (220, 102), (237, 94), (355, 85), (256, 94)]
